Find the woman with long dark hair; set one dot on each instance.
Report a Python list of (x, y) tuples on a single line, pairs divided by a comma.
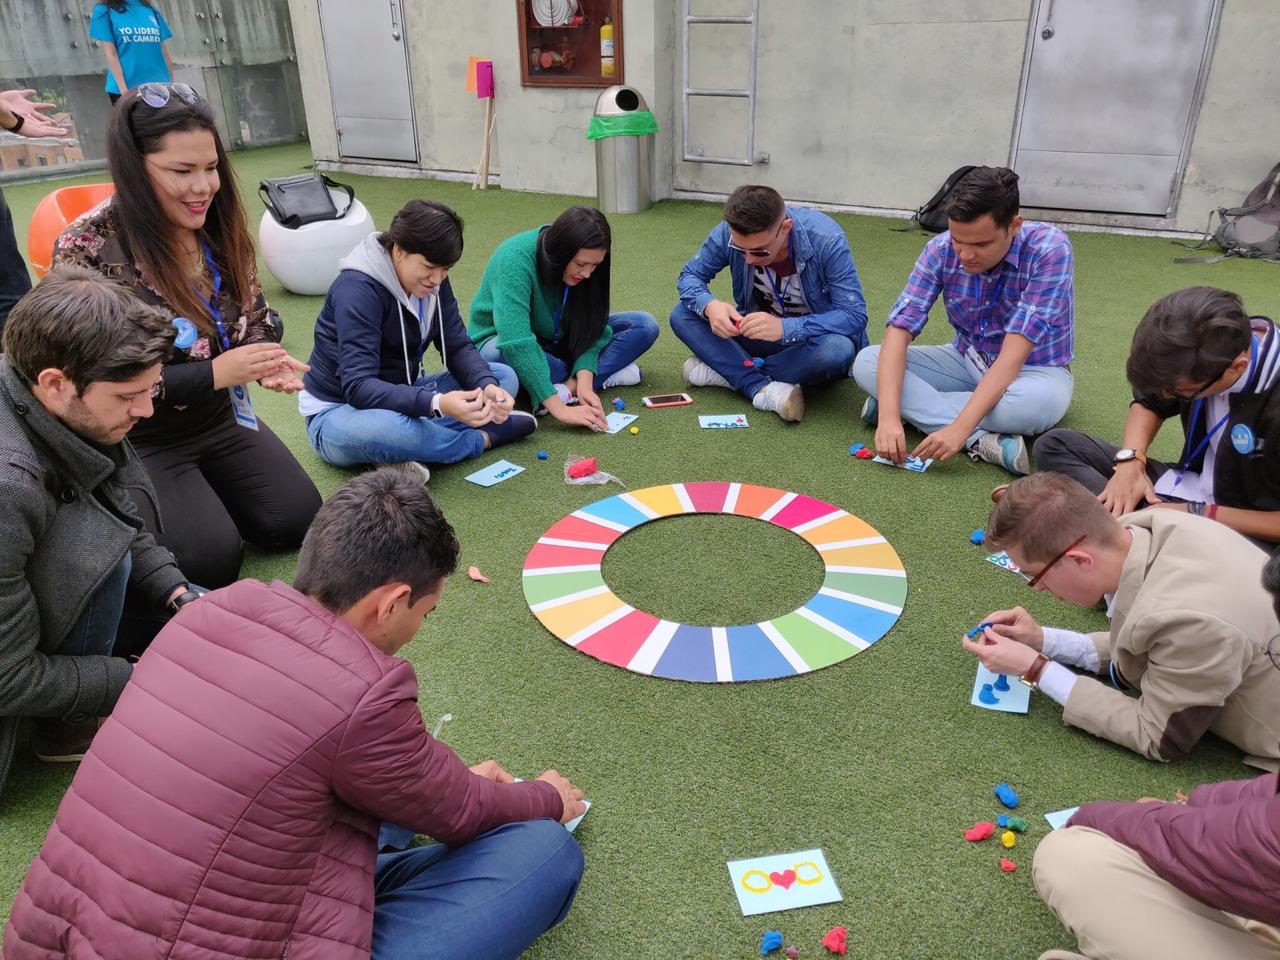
[(132, 34), (175, 232), (543, 309)]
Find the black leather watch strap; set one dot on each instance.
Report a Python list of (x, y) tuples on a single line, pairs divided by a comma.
[(182, 599)]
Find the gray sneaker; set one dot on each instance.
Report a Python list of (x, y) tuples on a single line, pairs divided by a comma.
[(698, 374), (784, 399), (871, 412), (1004, 450), (413, 469)]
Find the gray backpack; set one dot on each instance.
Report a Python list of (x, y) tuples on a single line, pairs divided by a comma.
[(1251, 231)]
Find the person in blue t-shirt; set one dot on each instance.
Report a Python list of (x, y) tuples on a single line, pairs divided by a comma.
[(132, 33)]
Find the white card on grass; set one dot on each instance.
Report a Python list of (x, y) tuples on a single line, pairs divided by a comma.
[(783, 882), (1002, 561), (494, 473), (723, 421), (1058, 819), (618, 421), (1017, 699), (914, 464), (572, 825)]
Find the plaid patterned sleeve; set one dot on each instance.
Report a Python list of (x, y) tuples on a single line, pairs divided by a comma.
[(911, 312), (1045, 314)]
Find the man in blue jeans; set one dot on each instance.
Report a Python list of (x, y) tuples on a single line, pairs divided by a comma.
[(1007, 286), (798, 316), (81, 356)]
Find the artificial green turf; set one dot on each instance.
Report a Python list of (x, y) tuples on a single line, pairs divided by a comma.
[(879, 759)]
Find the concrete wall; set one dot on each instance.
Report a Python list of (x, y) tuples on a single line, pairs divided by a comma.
[(866, 104)]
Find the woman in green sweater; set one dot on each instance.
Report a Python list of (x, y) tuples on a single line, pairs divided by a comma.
[(543, 309)]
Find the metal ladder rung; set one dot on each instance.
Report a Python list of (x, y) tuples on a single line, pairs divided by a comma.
[(717, 93), (693, 19)]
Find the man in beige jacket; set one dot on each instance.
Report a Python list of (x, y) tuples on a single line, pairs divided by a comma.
[(1190, 621)]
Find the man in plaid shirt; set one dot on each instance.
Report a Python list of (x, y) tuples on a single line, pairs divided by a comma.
[(1007, 288)]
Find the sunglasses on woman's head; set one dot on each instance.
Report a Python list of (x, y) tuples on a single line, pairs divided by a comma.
[(158, 95)]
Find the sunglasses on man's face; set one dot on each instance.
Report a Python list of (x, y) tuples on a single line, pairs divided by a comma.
[(760, 252), (1033, 579), (158, 95)]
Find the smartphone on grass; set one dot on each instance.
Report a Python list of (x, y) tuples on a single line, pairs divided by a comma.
[(667, 400)]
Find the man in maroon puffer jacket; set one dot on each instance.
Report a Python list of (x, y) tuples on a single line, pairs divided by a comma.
[(231, 804), (1197, 879)]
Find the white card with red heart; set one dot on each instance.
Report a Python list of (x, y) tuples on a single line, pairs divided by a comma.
[(783, 881)]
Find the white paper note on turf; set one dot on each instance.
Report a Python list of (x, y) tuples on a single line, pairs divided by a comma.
[(1058, 819), (494, 473), (1002, 561), (1017, 699), (572, 825), (618, 421), (914, 464), (723, 421), (783, 882)]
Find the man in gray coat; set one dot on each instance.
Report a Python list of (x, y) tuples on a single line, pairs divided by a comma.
[(81, 356)]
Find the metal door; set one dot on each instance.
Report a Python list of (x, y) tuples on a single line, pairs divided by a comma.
[(1110, 93), (368, 62)]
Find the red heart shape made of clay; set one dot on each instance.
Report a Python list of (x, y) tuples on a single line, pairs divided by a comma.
[(784, 879)]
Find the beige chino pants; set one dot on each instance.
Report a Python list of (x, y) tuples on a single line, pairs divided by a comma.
[(1118, 909)]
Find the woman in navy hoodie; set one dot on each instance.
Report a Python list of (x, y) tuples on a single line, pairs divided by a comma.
[(367, 399)]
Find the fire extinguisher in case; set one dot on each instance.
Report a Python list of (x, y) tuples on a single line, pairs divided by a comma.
[(606, 48)]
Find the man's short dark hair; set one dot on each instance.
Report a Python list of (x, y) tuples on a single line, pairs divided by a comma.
[(984, 190), (1189, 337), (380, 528), (754, 208), (91, 328)]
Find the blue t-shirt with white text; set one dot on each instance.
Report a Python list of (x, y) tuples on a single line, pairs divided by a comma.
[(137, 33)]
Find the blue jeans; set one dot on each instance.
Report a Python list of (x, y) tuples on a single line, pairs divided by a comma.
[(94, 633), (489, 898), (347, 437), (633, 334), (819, 360), (940, 380)]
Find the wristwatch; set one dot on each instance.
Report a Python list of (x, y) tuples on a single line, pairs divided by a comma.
[(182, 599), (1032, 677), (1127, 455)]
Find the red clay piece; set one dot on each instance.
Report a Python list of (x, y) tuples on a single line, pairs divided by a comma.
[(835, 940), (475, 574), (792, 953), (1008, 866), (865, 454), (583, 468), (980, 831)]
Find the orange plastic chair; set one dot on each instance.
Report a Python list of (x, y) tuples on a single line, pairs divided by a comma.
[(52, 215)]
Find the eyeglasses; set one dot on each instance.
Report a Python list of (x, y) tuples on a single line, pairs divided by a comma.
[(1032, 581), (763, 252), (157, 95), (1199, 391), (1273, 651)]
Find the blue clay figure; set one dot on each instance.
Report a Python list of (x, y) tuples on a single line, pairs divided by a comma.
[(772, 941), (1006, 795), (1002, 683), (978, 537), (986, 696)]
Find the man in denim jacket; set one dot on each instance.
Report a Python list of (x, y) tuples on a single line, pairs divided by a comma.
[(798, 315)]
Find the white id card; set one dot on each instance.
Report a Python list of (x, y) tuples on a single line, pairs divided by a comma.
[(242, 407)]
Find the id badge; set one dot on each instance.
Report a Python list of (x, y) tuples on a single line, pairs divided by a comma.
[(242, 407)]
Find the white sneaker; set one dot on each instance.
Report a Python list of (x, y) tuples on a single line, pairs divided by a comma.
[(784, 399), (1004, 450), (698, 374), (628, 376), (413, 469)]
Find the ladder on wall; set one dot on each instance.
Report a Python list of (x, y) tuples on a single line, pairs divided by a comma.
[(749, 94)]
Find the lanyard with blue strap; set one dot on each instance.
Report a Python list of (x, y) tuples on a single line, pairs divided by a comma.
[(773, 286), (1195, 412), (211, 303), (557, 314)]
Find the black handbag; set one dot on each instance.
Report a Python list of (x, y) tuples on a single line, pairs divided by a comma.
[(302, 199)]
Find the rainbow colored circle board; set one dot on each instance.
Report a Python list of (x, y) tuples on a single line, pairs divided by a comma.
[(860, 599)]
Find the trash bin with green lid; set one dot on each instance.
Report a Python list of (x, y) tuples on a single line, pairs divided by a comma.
[(623, 130)]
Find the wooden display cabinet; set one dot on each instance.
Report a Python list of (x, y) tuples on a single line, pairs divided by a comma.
[(561, 43)]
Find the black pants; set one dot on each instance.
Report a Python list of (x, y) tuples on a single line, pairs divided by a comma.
[(222, 486), (14, 279), (1083, 458)]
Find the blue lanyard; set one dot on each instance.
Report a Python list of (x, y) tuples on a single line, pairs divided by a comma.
[(422, 332), (1195, 412), (557, 314), (214, 311), (777, 293)]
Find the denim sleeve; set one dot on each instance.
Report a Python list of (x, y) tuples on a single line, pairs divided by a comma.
[(911, 312), (695, 292), (848, 314)]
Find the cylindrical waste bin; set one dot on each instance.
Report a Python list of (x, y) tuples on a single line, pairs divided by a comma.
[(623, 130)]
